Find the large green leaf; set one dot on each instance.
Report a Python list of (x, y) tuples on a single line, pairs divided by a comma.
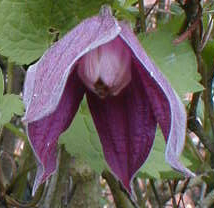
[(81, 140), (9, 104), (29, 27), (177, 63)]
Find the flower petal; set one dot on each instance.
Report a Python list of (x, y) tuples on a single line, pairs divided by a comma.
[(43, 134), (126, 126), (53, 69), (167, 107)]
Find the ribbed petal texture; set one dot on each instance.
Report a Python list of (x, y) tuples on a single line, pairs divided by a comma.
[(167, 107), (126, 126), (44, 133)]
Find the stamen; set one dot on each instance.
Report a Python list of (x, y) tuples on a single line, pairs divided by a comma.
[(101, 89)]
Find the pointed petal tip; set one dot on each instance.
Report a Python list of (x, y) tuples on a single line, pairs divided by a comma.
[(38, 178), (167, 106), (42, 176), (43, 134), (35, 188), (177, 165), (129, 189)]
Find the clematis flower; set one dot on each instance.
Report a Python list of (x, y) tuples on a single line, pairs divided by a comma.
[(126, 93)]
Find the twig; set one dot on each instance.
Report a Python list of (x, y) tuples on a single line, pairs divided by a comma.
[(195, 126), (187, 33), (196, 181), (155, 192), (151, 8), (183, 190), (182, 199), (172, 194), (142, 15)]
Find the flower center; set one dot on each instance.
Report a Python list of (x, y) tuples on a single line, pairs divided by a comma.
[(101, 89), (106, 70)]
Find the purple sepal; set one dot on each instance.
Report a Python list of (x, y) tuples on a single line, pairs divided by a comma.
[(43, 134), (126, 126), (51, 72), (167, 107)]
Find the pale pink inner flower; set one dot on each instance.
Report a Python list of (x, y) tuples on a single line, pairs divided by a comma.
[(106, 70)]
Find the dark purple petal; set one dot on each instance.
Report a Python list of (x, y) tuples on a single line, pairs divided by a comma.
[(167, 107), (52, 70), (43, 134), (126, 126)]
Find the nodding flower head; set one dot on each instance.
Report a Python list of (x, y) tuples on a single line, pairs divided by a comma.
[(126, 93)]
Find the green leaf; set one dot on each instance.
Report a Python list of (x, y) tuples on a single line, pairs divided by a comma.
[(156, 167), (9, 105), (29, 27), (81, 140), (177, 63)]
